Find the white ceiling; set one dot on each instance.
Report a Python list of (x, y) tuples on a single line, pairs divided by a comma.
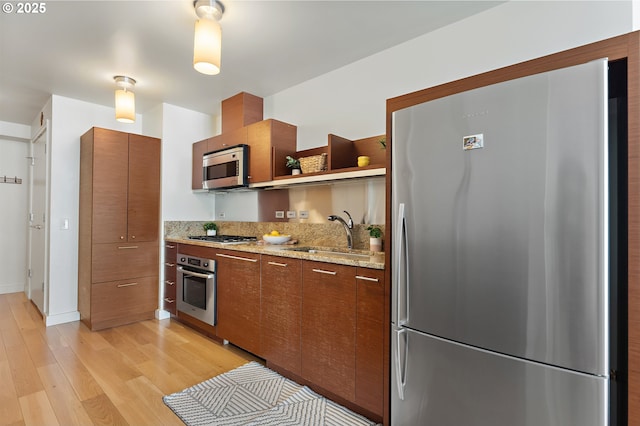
[(75, 48)]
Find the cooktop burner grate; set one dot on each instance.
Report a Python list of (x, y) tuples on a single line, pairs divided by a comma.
[(224, 239)]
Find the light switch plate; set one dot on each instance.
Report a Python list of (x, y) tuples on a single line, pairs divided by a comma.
[(291, 214), (279, 214), (304, 214)]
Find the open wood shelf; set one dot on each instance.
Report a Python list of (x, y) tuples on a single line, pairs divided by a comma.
[(342, 156)]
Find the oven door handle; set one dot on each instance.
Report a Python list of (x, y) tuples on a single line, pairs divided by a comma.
[(195, 274)]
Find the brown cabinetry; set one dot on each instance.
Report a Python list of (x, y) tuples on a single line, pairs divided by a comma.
[(281, 311), (342, 332), (342, 156), (238, 294), (270, 141), (119, 222), (329, 327), (225, 140), (241, 110), (169, 301), (370, 339)]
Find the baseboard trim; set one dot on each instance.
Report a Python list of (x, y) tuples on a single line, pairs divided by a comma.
[(61, 318), (161, 314), (12, 288)]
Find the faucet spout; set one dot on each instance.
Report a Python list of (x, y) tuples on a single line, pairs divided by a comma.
[(348, 226)]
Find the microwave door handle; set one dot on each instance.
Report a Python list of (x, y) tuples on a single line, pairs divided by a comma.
[(195, 274)]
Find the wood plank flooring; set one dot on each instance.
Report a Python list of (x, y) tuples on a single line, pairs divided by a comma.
[(68, 375)]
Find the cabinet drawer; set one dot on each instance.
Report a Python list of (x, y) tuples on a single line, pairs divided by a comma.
[(169, 301), (111, 262), (123, 301)]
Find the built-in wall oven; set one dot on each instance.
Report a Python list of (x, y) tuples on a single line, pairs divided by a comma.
[(196, 287)]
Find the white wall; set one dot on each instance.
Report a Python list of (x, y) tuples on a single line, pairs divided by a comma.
[(351, 101), (180, 129), (14, 204)]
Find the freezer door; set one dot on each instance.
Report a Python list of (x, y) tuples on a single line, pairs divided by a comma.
[(499, 215), (436, 382)]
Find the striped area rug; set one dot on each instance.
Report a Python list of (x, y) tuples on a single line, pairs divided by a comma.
[(255, 395)]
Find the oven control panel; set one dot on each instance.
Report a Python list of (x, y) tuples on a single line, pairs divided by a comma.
[(197, 263)]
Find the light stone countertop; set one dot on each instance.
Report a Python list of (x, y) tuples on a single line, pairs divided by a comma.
[(372, 260)]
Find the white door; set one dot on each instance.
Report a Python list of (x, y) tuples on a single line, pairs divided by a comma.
[(37, 275)]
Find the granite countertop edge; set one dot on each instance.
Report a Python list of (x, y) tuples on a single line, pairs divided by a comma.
[(376, 260)]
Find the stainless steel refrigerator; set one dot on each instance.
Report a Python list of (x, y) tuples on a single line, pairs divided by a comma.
[(500, 255)]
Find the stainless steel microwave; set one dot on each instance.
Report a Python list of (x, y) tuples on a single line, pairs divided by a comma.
[(226, 168)]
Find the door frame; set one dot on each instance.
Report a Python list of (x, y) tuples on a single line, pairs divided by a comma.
[(45, 130)]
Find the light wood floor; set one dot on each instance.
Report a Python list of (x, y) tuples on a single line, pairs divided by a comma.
[(68, 375)]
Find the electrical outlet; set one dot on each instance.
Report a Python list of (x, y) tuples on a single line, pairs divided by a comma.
[(304, 214), (291, 214), (279, 214), (221, 215)]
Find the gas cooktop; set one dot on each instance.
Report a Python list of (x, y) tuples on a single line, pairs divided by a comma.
[(224, 239)]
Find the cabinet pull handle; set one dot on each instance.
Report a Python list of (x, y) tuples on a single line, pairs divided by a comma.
[(170, 282), (169, 246), (168, 300), (195, 274), (171, 265), (127, 285), (127, 247), (322, 271), (277, 264), (246, 259), (360, 277)]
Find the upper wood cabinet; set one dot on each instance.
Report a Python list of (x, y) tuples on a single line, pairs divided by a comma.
[(225, 140), (241, 110), (198, 150), (270, 141), (125, 179)]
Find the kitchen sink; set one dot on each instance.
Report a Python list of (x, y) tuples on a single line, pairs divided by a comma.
[(343, 253)]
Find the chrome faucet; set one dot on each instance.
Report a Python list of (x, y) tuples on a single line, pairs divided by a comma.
[(348, 226)]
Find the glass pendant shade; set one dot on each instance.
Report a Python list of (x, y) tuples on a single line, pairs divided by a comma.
[(207, 46), (125, 106)]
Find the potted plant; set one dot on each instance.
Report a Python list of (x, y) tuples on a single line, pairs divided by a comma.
[(375, 238), (294, 165), (210, 228)]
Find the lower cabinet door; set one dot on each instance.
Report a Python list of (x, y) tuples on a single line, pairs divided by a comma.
[(281, 310), (329, 327), (122, 302), (238, 299)]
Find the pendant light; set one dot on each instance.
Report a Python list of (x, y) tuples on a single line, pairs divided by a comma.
[(125, 99), (207, 42)]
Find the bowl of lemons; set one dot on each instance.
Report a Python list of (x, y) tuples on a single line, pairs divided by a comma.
[(275, 237)]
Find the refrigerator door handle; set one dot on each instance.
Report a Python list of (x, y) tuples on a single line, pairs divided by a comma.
[(401, 269), (402, 351)]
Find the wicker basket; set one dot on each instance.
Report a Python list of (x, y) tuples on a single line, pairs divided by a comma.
[(314, 163)]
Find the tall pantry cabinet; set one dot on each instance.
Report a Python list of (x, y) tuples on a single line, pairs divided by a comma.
[(119, 226)]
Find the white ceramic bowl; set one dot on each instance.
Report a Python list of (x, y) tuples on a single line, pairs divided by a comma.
[(279, 239)]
